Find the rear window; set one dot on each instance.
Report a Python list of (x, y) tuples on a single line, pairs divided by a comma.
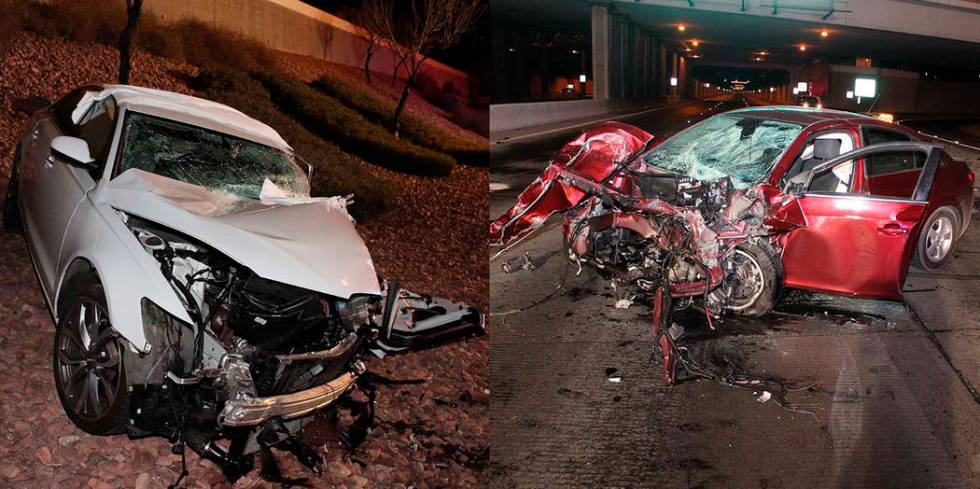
[(876, 135)]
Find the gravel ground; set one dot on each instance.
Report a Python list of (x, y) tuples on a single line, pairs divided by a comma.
[(431, 435)]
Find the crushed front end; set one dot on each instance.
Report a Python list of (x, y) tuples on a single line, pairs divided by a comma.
[(261, 356), (664, 239)]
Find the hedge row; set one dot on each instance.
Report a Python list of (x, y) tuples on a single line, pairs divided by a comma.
[(353, 132), (380, 109), (335, 172)]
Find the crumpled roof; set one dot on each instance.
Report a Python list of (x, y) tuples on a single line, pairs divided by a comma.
[(187, 109)]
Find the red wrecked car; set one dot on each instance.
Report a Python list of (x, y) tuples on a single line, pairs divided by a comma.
[(726, 213)]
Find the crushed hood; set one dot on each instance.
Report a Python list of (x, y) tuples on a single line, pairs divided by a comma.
[(309, 243)]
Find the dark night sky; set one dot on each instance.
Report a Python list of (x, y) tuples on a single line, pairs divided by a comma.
[(471, 55)]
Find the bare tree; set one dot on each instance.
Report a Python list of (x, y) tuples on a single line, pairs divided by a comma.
[(431, 25), (372, 17), (133, 8)]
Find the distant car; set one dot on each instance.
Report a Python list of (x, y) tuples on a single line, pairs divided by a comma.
[(809, 101), (199, 291)]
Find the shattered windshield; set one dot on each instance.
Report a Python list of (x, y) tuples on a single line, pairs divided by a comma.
[(735, 145), (208, 158)]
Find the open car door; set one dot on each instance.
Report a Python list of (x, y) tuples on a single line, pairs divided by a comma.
[(859, 243)]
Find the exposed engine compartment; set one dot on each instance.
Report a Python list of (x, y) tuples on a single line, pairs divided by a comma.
[(262, 355)]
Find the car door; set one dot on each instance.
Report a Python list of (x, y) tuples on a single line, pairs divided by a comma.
[(54, 188), (858, 243)]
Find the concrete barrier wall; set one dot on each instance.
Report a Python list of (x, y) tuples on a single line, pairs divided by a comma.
[(947, 97), (293, 26), (508, 117), (897, 90)]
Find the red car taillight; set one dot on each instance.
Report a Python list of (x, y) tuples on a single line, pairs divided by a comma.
[(969, 176)]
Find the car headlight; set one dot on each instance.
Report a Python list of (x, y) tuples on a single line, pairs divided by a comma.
[(353, 312)]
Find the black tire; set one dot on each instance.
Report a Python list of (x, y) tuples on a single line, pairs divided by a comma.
[(771, 268), (103, 367), (11, 212), (924, 258)]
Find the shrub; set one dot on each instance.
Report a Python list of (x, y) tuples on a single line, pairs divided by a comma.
[(421, 131), (335, 173), (354, 133)]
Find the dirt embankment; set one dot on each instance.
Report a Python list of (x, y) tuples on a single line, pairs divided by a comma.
[(433, 239)]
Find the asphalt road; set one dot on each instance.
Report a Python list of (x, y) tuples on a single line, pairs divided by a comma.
[(889, 406)]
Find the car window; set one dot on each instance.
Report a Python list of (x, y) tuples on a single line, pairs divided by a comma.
[(211, 159), (894, 174), (876, 135), (96, 128), (890, 174), (811, 156), (62, 109), (893, 162), (834, 180)]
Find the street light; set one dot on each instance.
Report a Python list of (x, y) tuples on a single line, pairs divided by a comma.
[(802, 47), (681, 27), (695, 43), (824, 33)]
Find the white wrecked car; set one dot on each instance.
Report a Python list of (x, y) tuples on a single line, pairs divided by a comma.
[(199, 292)]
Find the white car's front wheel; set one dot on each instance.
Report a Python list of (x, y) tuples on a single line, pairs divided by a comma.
[(88, 365)]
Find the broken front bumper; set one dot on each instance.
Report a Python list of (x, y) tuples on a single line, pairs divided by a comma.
[(253, 411)]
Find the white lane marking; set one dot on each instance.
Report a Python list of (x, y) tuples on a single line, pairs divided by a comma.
[(496, 187)]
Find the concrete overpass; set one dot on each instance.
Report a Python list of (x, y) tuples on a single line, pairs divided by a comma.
[(924, 55)]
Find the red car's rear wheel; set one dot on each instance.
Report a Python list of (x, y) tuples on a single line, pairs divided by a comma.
[(937, 239)]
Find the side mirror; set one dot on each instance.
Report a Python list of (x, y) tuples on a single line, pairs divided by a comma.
[(73, 151)]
